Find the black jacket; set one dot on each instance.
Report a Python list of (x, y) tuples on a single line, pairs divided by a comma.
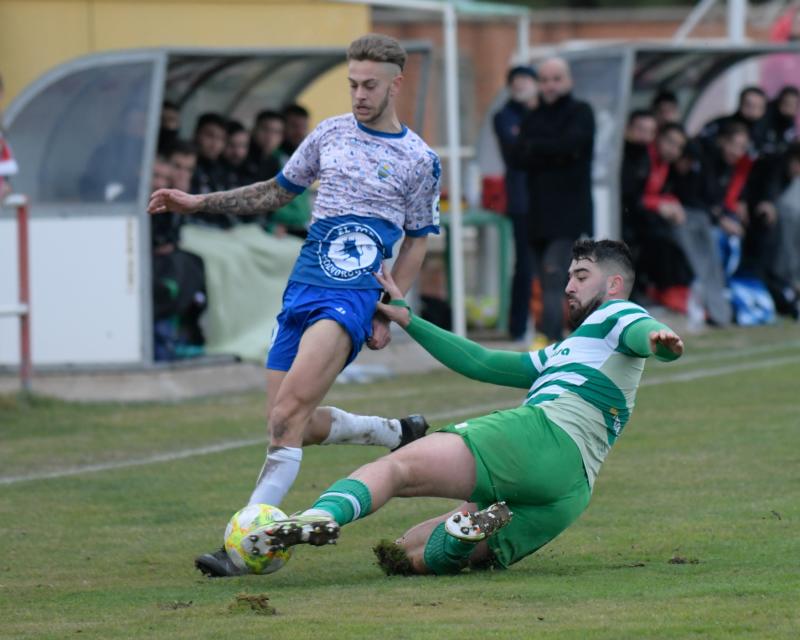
[(507, 123), (555, 148)]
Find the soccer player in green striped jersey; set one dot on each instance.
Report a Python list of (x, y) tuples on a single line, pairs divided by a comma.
[(525, 474)]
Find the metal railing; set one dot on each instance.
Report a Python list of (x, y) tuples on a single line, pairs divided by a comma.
[(22, 308)]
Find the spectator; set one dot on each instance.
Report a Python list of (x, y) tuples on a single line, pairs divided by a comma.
[(209, 175), (265, 158), (750, 112), (772, 247), (665, 108), (209, 137), (297, 120), (640, 132), (651, 211), (179, 292), (170, 126), (521, 83), (8, 166), (788, 206), (728, 168), (238, 172), (182, 158), (780, 128), (713, 180), (295, 216), (555, 148), (163, 229)]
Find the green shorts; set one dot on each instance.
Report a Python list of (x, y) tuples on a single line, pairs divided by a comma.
[(523, 458)]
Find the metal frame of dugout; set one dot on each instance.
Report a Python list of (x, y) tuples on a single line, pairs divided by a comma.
[(90, 238)]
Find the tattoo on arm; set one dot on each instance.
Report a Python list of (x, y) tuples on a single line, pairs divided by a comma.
[(260, 197)]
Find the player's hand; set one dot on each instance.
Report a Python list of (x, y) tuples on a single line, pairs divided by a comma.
[(388, 284), (174, 201), (400, 315), (381, 335), (668, 339)]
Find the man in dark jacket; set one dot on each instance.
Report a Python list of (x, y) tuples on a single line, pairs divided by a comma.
[(521, 83), (750, 112), (555, 149)]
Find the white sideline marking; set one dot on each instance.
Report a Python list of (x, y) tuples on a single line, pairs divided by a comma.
[(136, 462), (442, 415)]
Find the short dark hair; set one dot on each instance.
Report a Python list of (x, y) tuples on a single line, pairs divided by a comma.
[(169, 104), (665, 95), (268, 114), (732, 128), (640, 113), (787, 90), (613, 253), (377, 47), (234, 127), (210, 118), (295, 109), (521, 70), (751, 89)]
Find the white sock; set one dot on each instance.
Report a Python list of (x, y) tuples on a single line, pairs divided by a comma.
[(349, 428), (277, 475)]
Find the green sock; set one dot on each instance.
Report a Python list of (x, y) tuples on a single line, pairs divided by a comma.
[(445, 554), (346, 500)]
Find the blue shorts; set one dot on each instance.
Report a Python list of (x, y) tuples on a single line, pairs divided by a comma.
[(305, 304)]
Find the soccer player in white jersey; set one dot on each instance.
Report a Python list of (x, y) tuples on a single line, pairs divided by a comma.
[(377, 181), (538, 462)]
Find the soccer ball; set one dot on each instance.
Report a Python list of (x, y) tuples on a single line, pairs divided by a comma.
[(243, 554)]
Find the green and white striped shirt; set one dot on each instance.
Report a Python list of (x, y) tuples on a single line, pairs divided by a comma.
[(587, 383)]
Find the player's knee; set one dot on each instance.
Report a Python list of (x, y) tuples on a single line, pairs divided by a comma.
[(285, 420)]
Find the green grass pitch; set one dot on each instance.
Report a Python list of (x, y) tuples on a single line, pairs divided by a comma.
[(693, 530)]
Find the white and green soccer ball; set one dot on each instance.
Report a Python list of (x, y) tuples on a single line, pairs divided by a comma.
[(241, 525)]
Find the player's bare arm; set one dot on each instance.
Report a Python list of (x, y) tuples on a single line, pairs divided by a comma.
[(250, 200), (409, 261)]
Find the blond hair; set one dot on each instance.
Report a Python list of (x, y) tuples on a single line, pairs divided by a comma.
[(377, 47)]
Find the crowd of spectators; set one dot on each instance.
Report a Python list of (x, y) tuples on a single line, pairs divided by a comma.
[(222, 154), (713, 220)]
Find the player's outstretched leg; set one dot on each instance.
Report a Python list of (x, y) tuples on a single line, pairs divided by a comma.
[(431, 546), (330, 425), (474, 526)]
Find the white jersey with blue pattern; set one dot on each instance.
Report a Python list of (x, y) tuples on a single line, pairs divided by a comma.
[(373, 187)]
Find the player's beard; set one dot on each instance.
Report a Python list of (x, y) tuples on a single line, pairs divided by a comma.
[(379, 112), (578, 314)]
